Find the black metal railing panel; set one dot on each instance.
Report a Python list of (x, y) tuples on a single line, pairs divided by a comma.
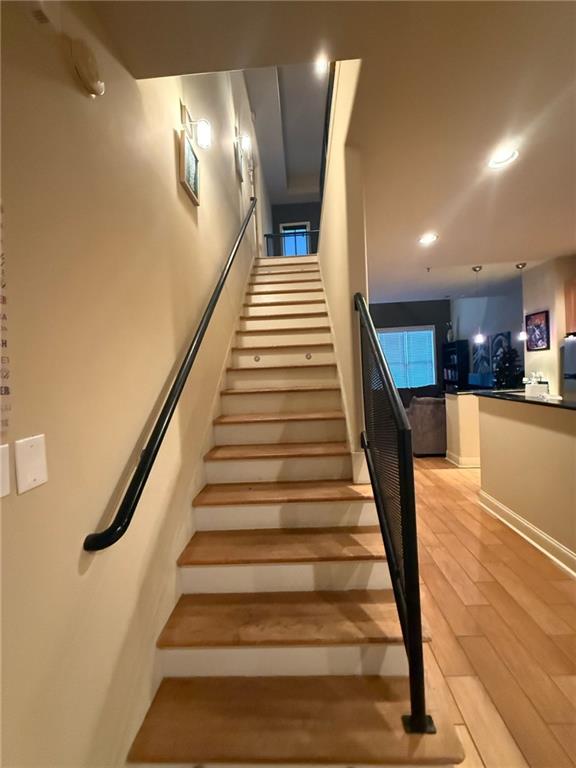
[(387, 444), (292, 242), (127, 507)]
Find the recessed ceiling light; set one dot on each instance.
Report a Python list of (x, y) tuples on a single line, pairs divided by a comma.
[(477, 268), (503, 156), (428, 238), (321, 65), (521, 265)]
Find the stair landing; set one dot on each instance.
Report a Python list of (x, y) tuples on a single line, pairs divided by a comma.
[(296, 720)]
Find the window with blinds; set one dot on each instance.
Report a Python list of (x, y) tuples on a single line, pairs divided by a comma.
[(410, 353)]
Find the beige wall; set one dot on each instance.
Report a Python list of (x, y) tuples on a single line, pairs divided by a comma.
[(528, 475), (342, 250), (544, 287), (462, 430), (109, 269)]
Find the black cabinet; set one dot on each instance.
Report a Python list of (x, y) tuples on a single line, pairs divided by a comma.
[(455, 364)]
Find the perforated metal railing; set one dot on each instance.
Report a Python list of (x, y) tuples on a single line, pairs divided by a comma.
[(387, 444)]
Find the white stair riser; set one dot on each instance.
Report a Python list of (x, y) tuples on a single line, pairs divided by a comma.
[(269, 287), (286, 310), (285, 261), (249, 378), (282, 765), (285, 577), (305, 355), (294, 515), (286, 298), (287, 324), (282, 470), (278, 402), (290, 337), (332, 430), (374, 659), (260, 277), (285, 270)]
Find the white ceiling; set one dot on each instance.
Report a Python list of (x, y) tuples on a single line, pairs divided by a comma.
[(441, 84), (428, 112), (288, 103)]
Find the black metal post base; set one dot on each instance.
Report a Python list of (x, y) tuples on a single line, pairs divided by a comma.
[(411, 726)]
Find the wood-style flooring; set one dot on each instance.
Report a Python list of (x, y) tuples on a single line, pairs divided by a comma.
[(502, 618)]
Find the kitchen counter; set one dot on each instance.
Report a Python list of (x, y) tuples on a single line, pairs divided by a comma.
[(528, 468), (520, 397)]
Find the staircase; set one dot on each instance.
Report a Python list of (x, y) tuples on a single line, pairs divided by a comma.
[(285, 646)]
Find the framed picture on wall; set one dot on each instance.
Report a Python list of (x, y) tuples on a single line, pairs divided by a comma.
[(189, 177), (499, 344), (238, 155), (538, 331), (481, 357)]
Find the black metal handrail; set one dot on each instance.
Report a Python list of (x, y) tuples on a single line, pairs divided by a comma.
[(123, 517), (277, 243), (387, 444)]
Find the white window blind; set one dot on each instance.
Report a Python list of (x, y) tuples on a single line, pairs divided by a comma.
[(410, 353)]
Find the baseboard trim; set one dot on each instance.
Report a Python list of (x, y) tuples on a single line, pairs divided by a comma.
[(561, 555), (464, 462)]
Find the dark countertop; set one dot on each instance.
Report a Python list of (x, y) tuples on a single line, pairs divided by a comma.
[(520, 397), (485, 391)]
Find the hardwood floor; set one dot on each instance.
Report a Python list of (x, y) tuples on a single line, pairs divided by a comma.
[(502, 618)]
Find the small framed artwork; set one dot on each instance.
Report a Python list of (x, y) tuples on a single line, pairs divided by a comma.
[(185, 118), (238, 155), (189, 177), (538, 331)]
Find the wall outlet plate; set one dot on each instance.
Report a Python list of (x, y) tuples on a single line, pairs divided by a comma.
[(4, 470), (31, 467)]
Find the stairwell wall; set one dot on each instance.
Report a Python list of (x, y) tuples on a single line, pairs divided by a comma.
[(109, 267), (342, 248)]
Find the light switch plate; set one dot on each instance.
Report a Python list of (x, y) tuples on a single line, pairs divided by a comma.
[(31, 468), (4, 471)]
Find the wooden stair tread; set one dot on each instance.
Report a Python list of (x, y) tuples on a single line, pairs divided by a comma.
[(260, 418), (283, 619), (293, 329), (276, 451), (299, 315), (303, 344), (279, 390), (352, 720), (275, 291), (287, 545), (285, 279), (285, 303), (280, 367), (285, 269), (232, 494)]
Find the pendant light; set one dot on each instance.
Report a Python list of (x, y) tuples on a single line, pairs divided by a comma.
[(479, 337)]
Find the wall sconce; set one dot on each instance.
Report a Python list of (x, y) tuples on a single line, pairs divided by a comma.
[(246, 143), (202, 130)]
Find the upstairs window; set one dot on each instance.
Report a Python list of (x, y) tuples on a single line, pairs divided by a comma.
[(410, 354), (295, 239)]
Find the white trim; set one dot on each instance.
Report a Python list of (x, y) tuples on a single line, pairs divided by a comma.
[(562, 556), (295, 224), (464, 462)]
